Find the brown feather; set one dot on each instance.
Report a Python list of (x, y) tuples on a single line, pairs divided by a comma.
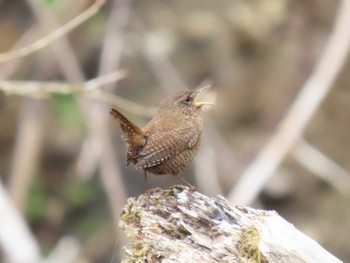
[(166, 145), (133, 135)]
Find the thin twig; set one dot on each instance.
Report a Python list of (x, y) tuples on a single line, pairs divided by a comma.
[(37, 89), (322, 166), (302, 110), (127, 105), (7, 69), (64, 55), (63, 30)]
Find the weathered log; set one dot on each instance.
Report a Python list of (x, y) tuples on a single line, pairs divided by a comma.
[(180, 227)]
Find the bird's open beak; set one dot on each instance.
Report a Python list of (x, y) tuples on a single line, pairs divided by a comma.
[(201, 103)]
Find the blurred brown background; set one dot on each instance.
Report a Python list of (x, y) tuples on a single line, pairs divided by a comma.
[(62, 159)]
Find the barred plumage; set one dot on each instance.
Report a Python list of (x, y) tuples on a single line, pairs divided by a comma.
[(169, 142)]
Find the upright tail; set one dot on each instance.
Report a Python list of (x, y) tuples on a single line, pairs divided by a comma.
[(134, 137)]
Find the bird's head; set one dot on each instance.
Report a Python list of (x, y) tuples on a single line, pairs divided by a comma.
[(185, 103)]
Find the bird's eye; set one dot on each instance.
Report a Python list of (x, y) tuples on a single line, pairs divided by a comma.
[(188, 100)]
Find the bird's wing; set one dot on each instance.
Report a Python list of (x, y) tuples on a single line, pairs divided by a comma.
[(163, 146)]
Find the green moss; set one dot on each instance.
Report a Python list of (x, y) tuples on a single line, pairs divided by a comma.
[(139, 253), (154, 201), (141, 250), (169, 192), (248, 246), (131, 215)]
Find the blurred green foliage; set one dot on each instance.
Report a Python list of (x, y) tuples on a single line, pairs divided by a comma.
[(37, 201), (91, 223), (67, 111), (80, 193), (85, 206), (49, 2)]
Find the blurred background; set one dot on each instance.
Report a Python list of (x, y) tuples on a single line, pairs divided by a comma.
[(62, 161)]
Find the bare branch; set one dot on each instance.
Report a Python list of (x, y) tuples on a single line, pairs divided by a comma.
[(16, 240), (127, 105), (43, 42), (39, 89), (7, 69), (28, 148), (299, 114), (322, 166), (89, 89)]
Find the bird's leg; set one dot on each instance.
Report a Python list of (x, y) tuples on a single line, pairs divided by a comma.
[(146, 185), (192, 187)]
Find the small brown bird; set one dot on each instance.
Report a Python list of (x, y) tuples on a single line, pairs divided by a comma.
[(170, 140)]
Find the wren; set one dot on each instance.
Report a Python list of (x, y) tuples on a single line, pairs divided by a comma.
[(170, 140)]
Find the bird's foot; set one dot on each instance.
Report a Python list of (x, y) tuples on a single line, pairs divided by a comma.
[(192, 188), (154, 190)]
